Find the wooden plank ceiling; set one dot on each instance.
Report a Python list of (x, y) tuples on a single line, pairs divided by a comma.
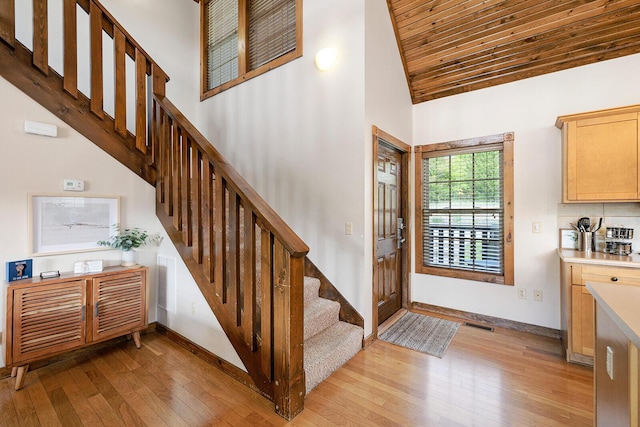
[(454, 46)]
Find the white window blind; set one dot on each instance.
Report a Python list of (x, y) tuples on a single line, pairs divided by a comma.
[(272, 30), (463, 212), (222, 41)]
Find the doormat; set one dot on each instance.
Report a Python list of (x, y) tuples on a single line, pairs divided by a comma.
[(422, 333)]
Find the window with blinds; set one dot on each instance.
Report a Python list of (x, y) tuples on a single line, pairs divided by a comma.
[(272, 30), (245, 38), (464, 226), (222, 41)]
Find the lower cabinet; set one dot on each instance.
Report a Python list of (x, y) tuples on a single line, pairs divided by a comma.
[(46, 317), (578, 326), (582, 325)]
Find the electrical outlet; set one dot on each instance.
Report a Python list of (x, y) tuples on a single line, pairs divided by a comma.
[(536, 227), (609, 362), (193, 308), (522, 293), (537, 295)]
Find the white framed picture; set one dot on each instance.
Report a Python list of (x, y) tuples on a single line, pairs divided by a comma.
[(568, 238), (70, 223)]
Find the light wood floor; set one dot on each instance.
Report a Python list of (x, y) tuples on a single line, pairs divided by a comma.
[(500, 378)]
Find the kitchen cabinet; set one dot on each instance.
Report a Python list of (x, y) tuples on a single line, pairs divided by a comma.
[(46, 317), (578, 326), (601, 158)]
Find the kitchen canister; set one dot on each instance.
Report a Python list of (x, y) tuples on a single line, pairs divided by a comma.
[(586, 241)]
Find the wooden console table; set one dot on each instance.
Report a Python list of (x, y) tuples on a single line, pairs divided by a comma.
[(46, 317)]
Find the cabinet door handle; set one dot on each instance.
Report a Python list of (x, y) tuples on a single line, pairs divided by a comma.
[(614, 279), (96, 313), (83, 308)]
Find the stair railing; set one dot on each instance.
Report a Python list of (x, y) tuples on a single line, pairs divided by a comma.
[(247, 262)]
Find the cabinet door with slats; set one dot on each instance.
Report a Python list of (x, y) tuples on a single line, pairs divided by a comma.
[(48, 319), (119, 304)]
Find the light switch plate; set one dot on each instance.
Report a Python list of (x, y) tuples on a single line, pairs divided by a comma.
[(610, 362)]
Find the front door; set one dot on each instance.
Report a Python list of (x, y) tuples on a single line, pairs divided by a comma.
[(389, 234)]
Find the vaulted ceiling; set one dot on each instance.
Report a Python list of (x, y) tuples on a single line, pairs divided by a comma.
[(454, 46)]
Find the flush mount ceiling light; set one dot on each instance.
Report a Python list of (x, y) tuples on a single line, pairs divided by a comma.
[(326, 58)]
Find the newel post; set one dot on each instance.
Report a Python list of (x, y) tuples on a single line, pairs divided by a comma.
[(289, 380)]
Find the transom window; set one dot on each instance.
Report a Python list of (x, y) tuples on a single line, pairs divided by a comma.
[(465, 226), (242, 39)]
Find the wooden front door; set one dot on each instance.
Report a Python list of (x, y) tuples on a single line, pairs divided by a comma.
[(390, 231)]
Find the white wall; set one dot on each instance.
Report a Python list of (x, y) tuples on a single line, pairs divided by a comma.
[(529, 108), (295, 134)]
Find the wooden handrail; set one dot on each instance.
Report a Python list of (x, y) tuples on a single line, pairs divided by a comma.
[(285, 234), (248, 263)]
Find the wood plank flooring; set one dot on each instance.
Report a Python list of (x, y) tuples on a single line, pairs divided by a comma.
[(501, 378)]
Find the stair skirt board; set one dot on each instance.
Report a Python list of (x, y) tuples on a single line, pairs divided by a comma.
[(328, 342)]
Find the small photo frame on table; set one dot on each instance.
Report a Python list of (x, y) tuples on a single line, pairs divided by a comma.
[(19, 270), (568, 238), (71, 223)]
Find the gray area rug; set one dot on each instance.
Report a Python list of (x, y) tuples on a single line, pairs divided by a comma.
[(422, 333)]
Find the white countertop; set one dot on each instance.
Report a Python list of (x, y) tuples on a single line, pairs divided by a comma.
[(599, 258), (622, 304)]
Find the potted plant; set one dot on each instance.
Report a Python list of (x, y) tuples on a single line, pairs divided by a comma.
[(127, 240)]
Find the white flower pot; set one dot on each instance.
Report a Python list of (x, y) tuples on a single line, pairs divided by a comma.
[(129, 258)]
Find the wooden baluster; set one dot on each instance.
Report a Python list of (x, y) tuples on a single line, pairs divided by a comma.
[(289, 385), (186, 190), (8, 21), (165, 147), (266, 301), (179, 139), (97, 94), (221, 238), (249, 282), (162, 158), (208, 209), (141, 101), (233, 251), (40, 36), (121, 82), (196, 202), (70, 81), (156, 125), (172, 156)]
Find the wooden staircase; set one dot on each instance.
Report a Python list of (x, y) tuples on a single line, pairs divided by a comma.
[(247, 262)]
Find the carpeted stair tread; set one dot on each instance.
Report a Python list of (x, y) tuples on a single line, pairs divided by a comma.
[(311, 289), (329, 350), (319, 315)]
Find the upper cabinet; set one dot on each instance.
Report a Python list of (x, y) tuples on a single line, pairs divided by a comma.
[(600, 155)]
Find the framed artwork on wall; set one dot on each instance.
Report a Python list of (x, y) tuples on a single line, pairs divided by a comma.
[(70, 223)]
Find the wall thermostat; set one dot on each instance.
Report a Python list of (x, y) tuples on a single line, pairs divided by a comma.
[(73, 185)]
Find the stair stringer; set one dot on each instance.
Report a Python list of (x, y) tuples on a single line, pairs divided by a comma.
[(348, 313)]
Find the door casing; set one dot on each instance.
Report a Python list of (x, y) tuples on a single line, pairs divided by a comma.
[(405, 151)]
